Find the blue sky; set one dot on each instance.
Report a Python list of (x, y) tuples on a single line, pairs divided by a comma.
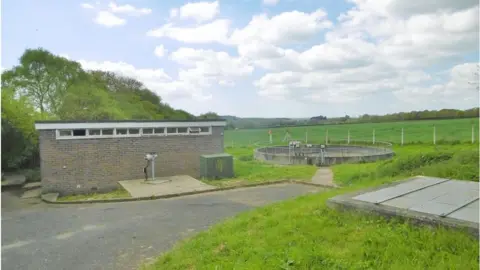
[(266, 58)]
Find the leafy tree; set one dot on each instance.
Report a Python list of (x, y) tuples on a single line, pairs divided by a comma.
[(209, 115), (19, 137), (87, 102), (43, 77)]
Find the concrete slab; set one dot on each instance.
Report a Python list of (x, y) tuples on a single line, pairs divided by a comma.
[(32, 193), (382, 195), (32, 185), (467, 213), (429, 200), (50, 196), (163, 186)]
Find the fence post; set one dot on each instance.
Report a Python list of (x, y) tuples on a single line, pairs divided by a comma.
[(402, 137), (326, 137), (434, 135), (473, 133), (373, 136), (348, 137)]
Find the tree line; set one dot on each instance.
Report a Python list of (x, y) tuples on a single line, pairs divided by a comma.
[(249, 123), (44, 86)]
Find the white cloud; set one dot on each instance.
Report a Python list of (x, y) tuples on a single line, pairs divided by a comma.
[(209, 68), (287, 27), (216, 31), (108, 19), (270, 2), (160, 51), (87, 6), (407, 8), (128, 9), (416, 40), (155, 79), (173, 12), (460, 87), (199, 11), (201, 70), (377, 48), (373, 50)]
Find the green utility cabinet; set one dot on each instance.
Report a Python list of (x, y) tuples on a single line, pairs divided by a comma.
[(216, 166)]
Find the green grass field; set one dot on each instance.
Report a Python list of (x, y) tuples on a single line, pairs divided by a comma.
[(304, 233), (414, 132)]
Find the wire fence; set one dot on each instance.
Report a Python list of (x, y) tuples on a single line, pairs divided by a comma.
[(397, 135)]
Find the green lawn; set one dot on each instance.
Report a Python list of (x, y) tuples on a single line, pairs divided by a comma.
[(304, 233), (250, 171), (414, 132)]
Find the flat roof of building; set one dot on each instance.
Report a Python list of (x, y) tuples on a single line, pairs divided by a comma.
[(126, 121), (63, 124), (432, 200)]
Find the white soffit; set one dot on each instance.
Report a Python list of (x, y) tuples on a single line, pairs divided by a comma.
[(105, 125)]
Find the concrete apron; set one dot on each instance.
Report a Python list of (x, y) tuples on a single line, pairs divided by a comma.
[(162, 186)]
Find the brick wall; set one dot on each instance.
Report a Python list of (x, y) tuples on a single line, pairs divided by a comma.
[(86, 165)]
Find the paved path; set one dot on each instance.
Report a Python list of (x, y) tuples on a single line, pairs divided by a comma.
[(121, 235), (324, 176)]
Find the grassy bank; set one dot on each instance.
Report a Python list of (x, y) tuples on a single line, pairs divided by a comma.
[(446, 161), (305, 234)]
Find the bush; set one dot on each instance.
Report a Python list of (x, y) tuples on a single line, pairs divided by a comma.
[(32, 175)]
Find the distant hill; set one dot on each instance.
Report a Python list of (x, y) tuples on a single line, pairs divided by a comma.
[(234, 122)]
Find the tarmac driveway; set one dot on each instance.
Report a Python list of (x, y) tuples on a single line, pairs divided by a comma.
[(120, 235)]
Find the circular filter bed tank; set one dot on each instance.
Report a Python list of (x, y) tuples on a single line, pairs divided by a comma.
[(323, 155)]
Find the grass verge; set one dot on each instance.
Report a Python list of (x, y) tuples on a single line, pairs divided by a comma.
[(116, 194), (305, 234), (250, 171)]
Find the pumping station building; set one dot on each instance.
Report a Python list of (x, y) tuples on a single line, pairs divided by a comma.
[(85, 157)]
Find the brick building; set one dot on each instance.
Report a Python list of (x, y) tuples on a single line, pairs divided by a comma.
[(81, 157)]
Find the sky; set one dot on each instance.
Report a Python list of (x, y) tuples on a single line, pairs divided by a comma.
[(266, 58)]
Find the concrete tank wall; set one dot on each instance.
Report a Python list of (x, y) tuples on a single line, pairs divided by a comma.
[(336, 154)]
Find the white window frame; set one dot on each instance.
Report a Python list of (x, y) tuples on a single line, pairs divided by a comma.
[(197, 129), (171, 134), (128, 135), (209, 132), (184, 133), (88, 132)]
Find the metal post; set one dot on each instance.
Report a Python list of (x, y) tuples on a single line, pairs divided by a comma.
[(434, 135), (473, 133), (348, 137), (373, 137), (402, 137), (153, 169)]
